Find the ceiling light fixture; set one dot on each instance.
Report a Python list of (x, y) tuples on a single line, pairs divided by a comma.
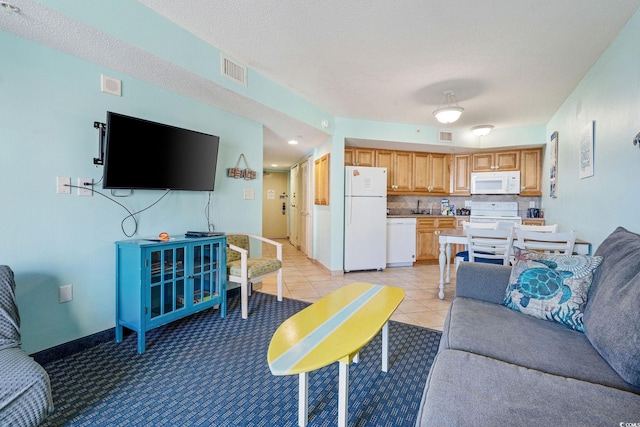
[(451, 112), (293, 142), (481, 130), (9, 7)]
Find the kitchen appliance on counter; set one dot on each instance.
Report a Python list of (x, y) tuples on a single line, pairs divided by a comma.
[(495, 182), (401, 242), (495, 212), (365, 218)]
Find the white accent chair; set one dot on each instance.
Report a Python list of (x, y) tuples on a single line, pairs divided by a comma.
[(561, 243), (490, 246), (245, 270)]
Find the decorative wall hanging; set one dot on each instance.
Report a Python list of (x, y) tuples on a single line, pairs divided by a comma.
[(238, 173), (553, 162), (586, 150)]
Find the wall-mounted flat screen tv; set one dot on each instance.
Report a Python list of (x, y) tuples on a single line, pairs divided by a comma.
[(141, 154)]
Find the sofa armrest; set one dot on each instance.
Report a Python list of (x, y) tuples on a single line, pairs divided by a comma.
[(486, 282)]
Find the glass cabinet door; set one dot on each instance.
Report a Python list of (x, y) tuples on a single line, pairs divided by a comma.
[(167, 281), (205, 271)]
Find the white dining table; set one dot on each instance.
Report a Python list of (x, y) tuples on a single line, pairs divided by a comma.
[(458, 236)]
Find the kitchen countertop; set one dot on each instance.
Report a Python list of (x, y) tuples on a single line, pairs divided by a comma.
[(424, 216)]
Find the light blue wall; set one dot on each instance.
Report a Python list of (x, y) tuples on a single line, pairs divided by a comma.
[(610, 95), (49, 103), (144, 28)]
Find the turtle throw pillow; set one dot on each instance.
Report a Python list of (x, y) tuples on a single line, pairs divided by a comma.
[(551, 287)]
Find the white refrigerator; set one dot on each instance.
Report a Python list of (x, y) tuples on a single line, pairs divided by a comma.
[(365, 218)]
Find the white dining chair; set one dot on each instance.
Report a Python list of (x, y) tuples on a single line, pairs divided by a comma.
[(561, 243), (490, 246), (464, 255)]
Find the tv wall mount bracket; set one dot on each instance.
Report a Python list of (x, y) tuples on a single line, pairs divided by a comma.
[(101, 136)]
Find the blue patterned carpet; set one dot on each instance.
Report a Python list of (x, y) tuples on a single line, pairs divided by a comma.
[(208, 371)]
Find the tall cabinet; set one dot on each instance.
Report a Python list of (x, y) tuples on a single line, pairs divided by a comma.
[(159, 282)]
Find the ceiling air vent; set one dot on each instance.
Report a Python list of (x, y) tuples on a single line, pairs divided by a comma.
[(444, 136), (233, 70)]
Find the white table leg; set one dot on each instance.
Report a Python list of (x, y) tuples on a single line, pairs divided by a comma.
[(356, 358), (441, 260), (303, 399), (448, 260), (385, 347), (343, 394)]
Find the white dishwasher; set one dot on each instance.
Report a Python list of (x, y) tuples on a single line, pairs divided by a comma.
[(401, 242)]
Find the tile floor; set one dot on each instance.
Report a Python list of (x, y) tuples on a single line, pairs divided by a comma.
[(308, 281)]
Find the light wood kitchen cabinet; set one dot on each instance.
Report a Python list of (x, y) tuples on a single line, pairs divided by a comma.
[(431, 173), (531, 172), (532, 221), (461, 175), (496, 161), (359, 156), (427, 229), (399, 166)]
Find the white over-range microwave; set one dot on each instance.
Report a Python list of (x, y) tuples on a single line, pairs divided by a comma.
[(495, 182)]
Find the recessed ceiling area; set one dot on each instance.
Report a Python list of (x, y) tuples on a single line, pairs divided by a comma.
[(510, 64)]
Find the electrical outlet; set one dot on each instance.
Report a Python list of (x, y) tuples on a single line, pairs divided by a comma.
[(63, 185), (65, 293), (532, 204), (85, 186)]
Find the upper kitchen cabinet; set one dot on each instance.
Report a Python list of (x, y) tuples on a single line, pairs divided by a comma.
[(461, 175), (399, 166), (431, 173), (496, 161), (359, 156), (531, 172)]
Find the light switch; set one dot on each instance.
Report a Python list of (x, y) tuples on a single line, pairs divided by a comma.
[(249, 194)]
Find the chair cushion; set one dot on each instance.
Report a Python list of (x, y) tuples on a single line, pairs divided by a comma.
[(612, 317), (255, 267), (465, 257), (551, 287), (9, 316), (240, 240)]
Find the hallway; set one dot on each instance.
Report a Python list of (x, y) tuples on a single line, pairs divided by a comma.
[(307, 281)]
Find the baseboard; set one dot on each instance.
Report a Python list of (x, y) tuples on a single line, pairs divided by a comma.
[(72, 347)]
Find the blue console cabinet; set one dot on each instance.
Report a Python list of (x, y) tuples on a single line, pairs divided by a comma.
[(159, 282)]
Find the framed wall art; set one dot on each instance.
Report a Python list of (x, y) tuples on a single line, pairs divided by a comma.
[(586, 150), (553, 169)]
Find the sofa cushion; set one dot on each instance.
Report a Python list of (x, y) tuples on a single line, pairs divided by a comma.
[(550, 286), (612, 316), (467, 389), (501, 333)]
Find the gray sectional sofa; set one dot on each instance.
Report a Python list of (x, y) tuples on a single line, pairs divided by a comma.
[(25, 391), (498, 366)]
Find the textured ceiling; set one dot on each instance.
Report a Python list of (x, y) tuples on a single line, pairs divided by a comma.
[(510, 63)]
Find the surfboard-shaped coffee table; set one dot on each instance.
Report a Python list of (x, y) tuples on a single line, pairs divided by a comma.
[(333, 329)]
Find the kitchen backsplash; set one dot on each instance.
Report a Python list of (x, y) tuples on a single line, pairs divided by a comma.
[(403, 205)]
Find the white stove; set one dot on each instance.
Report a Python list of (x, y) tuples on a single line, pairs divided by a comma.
[(495, 212)]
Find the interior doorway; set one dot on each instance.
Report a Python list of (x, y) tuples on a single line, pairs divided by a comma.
[(294, 214), (275, 205)]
